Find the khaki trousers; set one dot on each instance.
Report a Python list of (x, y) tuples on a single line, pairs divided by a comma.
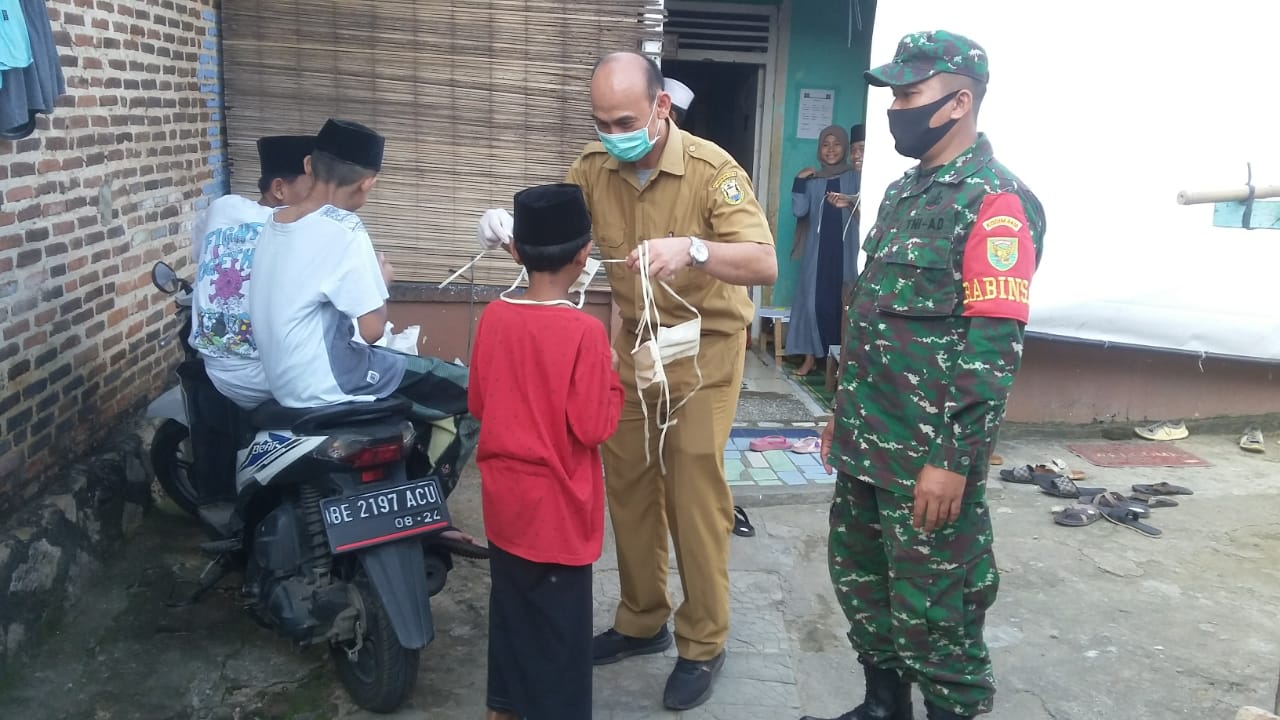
[(692, 503)]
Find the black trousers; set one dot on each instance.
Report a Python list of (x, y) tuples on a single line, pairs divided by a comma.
[(539, 638)]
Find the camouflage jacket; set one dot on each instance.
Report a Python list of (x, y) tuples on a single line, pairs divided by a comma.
[(936, 322)]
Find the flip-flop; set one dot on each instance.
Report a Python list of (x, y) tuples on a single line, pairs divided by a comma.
[(742, 526), (772, 442), (1128, 517), (996, 459), (1063, 487), (1022, 475), (1153, 501), (1115, 500), (1056, 466), (807, 446), (1162, 488), (457, 546), (1077, 515)]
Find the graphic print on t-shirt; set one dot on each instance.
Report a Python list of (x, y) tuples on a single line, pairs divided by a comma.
[(222, 279)]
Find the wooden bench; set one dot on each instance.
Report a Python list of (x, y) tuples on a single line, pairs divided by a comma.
[(778, 317), (833, 367)]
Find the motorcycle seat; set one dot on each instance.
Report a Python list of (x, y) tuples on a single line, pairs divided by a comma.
[(271, 415)]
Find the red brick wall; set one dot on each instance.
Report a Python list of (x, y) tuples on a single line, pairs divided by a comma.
[(104, 188)]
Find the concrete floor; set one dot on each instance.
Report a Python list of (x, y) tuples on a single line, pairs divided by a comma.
[(1095, 622)]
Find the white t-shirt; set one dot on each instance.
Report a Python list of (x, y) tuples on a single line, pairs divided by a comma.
[(314, 276), (222, 246)]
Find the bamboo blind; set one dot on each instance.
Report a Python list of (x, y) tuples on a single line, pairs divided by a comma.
[(477, 99)]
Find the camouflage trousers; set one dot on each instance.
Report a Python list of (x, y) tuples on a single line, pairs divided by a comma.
[(916, 601)]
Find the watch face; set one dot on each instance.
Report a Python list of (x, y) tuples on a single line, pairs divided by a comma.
[(698, 250)]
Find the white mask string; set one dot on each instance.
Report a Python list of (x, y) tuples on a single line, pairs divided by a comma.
[(467, 267), (852, 211), (588, 274), (650, 322)]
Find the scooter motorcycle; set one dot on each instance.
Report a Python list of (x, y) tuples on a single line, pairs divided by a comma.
[(333, 515)]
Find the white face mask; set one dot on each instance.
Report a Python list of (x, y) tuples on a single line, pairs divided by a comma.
[(655, 347), (584, 279)]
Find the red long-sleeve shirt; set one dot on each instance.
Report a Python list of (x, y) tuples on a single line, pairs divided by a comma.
[(545, 392)]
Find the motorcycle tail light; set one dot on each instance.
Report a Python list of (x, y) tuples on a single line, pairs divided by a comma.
[(362, 452), (375, 455)]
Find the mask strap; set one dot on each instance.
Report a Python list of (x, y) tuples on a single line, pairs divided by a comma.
[(646, 298), (467, 267), (524, 274), (697, 369), (582, 294), (856, 204)]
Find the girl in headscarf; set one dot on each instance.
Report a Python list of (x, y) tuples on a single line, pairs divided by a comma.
[(826, 242)]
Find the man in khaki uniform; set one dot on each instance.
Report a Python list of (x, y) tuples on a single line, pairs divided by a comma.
[(647, 181)]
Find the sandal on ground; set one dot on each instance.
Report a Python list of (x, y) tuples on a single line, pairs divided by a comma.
[(457, 546), (1130, 518), (1022, 475), (996, 459), (771, 442), (1056, 466), (1153, 501), (1063, 487), (1113, 500), (1162, 488), (807, 446), (1077, 515), (742, 526)]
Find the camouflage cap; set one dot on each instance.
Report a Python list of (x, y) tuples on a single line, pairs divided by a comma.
[(922, 55)]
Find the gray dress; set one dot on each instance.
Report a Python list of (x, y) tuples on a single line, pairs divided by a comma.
[(807, 201)]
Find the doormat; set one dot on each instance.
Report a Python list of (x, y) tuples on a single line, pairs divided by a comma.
[(1149, 454)]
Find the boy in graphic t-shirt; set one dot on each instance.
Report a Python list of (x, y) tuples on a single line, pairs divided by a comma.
[(545, 388), (223, 243)]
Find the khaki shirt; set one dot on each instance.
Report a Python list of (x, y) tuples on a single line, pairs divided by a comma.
[(696, 189)]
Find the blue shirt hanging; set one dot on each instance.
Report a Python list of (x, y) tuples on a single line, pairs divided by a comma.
[(15, 43)]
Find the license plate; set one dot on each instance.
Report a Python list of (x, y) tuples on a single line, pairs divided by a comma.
[(381, 516)]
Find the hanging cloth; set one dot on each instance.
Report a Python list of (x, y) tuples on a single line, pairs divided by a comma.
[(15, 41), (35, 88)]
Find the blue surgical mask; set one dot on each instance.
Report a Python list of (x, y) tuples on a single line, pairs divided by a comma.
[(630, 146)]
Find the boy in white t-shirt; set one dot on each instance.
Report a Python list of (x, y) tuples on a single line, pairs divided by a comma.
[(317, 271), (223, 243)]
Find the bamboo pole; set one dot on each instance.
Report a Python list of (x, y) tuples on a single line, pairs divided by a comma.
[(1235, 194)]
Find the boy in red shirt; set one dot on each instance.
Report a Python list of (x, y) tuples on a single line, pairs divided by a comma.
[(546, 391)]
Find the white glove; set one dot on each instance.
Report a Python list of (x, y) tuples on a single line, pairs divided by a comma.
[(495, 228)]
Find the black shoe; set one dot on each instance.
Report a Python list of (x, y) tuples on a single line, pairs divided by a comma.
[(937, 713), (888, 698), (690, 683), (611, 646)]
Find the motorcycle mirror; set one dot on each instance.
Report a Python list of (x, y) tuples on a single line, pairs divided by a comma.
[(165, 279)]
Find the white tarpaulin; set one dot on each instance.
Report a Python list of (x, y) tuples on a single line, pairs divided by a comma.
[(1106, 110)]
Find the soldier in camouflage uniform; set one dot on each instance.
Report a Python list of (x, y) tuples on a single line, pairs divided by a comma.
[(933, 343)]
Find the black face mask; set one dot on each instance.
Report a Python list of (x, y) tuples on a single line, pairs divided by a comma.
[(912, 135)]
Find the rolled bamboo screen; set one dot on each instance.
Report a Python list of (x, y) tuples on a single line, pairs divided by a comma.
[(477, 99)]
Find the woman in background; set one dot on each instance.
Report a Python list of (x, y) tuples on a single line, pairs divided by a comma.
[(826, 243)]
